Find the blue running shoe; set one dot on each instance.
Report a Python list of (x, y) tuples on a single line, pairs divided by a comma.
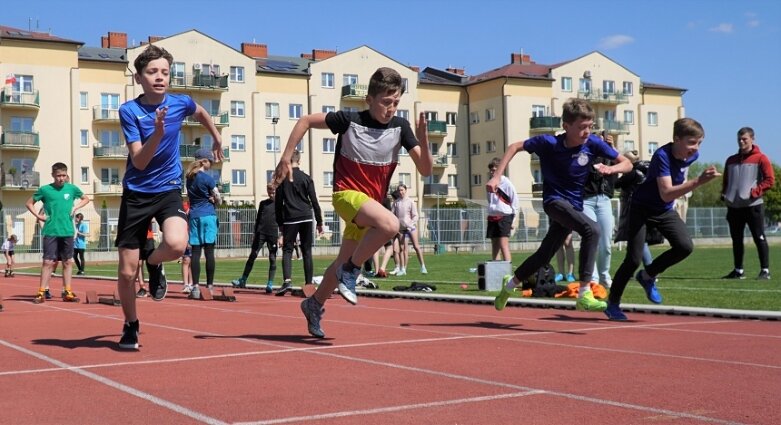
[(313, 312), (649, 285), (559, 277), (613, 312), (347, 281)]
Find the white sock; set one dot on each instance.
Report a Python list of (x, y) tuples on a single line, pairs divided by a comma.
[(512, 283), (739, 271), (583, 289)]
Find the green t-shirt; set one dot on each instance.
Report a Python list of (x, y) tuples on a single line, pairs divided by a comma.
[(58, 205)]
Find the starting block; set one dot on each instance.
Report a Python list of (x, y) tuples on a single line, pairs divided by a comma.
[(226, 295), (92, 298), (1, 302)]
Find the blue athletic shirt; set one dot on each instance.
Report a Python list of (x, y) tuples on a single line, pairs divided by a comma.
[(565, 170), (198, 191), (663, 164), (164, 172)]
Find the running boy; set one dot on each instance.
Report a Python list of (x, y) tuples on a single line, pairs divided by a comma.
[(367, 150), (152, 183), (652, 204), (59, 205), (566, 161)]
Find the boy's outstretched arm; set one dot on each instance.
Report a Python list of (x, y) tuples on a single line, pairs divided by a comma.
[(284, 169), (669, 193), (508, 156), (421, 155), (206, 120), (622, 165)]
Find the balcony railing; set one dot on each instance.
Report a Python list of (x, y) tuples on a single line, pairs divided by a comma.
[(437, 128), (545, 124), (100, 113), (355, 91), (30, 180), (100, 151), (114, 188), (440, 161), (20, 140), (597, 96), (187, 152), (199, 81), (222, 119), (224, 187), (612, 126), (17, 99)]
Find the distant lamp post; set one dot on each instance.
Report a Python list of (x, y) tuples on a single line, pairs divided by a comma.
[(275, 147)]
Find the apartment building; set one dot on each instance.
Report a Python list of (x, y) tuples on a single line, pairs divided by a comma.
[(60, 102)]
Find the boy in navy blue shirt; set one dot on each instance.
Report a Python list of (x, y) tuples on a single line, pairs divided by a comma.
[(152, 185), (652, 204), (565, 161)]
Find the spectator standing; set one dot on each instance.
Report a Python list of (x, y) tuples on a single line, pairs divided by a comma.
[(80, 243), (266, 231)]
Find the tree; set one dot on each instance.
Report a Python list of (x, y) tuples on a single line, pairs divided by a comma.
[(708, 195), (773, 198)]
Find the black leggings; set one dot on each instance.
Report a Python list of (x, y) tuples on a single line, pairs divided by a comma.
[(754, 217), (304, 233), (257, 243), (195, 264), (78, 258)]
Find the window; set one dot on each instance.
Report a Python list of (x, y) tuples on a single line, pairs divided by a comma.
[(83, 100), (327, 80), (22, 124), (405, 179), (452, 181), (430, 116), (653, 119), (404, 85), (21, 84), (108, 102), (300, 146), (329, 145), (177, 74), (109, 176), (272, 143), (84, 138), (490, 146), (475, 149), (328, 178), (628, 88), (239, 177), (490, 114), (610, 115), (537, 175), (237, 74), (474, 117), (433, 148), (629, 145), (585, 85), (272, 110), (295, 110), (349, 79), (477, 179), (566, 83), (212, 106), (110, 138), (237, 108), (238, 142), (349, 109), (652, 147), (629, 117), (84, 175), (403, 151), (328, 108), (450, 118), (451, 149), (608, 87), (269, 176), (403, 113), (538, 110)]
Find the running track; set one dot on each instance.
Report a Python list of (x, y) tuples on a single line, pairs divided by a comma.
[(385, 361)]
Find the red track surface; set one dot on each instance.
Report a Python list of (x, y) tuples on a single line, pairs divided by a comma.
[(385, 361)]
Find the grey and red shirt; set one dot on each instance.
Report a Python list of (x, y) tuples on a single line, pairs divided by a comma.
[(746, 178)]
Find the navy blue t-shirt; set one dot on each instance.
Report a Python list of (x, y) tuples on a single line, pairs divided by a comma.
[(663, 164), (565, 170), (199, 188)]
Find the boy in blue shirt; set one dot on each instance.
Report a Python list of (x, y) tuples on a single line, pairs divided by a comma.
[(652, 204), (565, 161), (152, 183)]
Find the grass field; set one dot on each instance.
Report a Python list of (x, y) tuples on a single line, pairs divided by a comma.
[(695, 282)]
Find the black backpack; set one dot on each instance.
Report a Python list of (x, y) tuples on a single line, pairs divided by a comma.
[(543, 282)]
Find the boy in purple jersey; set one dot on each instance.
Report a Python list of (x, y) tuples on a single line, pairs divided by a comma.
[(152, 183), (652, 204), (565, 162)]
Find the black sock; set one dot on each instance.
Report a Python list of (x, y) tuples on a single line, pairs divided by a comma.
[(349, 266)]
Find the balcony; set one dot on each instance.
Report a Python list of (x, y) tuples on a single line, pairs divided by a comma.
[(435, 190), (598, 97), (222, 119), (545, 124), (440, 161), (20, 141), (108, 189), (612, 126), (437, 128), (224, 188), (355, 91), (105, 115), (30, 180), (20, 100), (198, 82), (187, 152), (109, 152), (535, 159)]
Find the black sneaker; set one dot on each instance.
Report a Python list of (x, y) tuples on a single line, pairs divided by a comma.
[(129, 340), (286, 287), (47, 294), (734, 274), (142, 293), (764, 275), (158, 286)]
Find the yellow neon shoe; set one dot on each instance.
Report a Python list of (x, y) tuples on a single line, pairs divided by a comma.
[(504, 294), (41, 297), (588, 303)]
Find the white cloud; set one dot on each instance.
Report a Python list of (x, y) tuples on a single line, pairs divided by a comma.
[(722, 28), (753, 23), (615, 41)]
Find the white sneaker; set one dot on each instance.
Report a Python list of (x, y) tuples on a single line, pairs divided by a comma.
[(394, 271), (187, 289), (401, 272), (423, 270)]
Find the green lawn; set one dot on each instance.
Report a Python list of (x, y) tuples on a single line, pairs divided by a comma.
[(694, 282)]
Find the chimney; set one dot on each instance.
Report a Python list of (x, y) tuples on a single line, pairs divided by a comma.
[(104, 41), (318, 54), (117, 40), (520, 58), (415, 68), (457, 71), (306, 56), (153, 38), (254, 50)]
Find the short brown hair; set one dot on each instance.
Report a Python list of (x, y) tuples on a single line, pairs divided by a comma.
[(574, 109), (59, 166), (149, 54), (687, 127), (384, 81), (494, 163), (746, 130)]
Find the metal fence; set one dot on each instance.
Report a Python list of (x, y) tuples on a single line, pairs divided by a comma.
[(439, 227)]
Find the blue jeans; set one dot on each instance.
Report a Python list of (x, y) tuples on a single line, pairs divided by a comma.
[(599, 209)]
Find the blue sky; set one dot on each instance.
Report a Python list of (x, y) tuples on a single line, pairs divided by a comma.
[(726, 53)]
